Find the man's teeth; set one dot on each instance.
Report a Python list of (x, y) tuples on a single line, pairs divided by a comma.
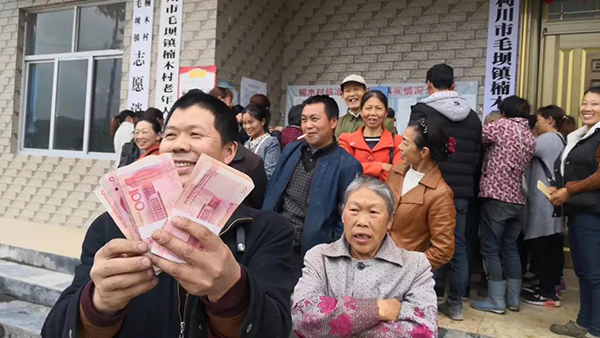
[(362, 236), (183, 164)]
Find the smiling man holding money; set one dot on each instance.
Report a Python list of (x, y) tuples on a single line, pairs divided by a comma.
[(235, 284)]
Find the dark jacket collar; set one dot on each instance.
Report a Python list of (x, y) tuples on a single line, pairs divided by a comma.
[(322, 151), (239, 216), (241, 152)]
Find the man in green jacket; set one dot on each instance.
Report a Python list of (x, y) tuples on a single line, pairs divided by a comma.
[(354, 88)]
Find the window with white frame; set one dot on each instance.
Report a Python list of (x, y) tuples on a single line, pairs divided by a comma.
[(72, 80)]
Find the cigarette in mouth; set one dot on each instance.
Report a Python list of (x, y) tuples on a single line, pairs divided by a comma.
[(301, 137)]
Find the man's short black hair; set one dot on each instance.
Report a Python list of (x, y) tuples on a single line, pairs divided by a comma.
[(225, 122), (514, 106), (295, 115), (441, 76), (331, 107)]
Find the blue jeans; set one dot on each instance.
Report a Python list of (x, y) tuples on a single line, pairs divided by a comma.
[(584, 240), (459, 265), (499, 229)]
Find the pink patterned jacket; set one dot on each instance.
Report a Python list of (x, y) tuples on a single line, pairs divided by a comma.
[(511, 147), (337, 295)]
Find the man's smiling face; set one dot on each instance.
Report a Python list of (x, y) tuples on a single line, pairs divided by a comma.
[(352, 93), (191, 132)]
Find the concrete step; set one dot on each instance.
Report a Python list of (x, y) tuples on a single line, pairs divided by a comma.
[(32, 284), (38, 259), (19, 319)]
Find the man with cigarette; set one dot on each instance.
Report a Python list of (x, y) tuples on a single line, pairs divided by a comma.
[(310, 180)]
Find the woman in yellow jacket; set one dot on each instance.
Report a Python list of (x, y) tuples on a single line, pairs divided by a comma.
[(376, 148)]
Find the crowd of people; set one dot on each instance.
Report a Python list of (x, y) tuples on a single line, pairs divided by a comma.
[(353, 229)]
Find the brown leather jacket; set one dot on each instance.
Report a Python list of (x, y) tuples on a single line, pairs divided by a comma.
[(425, 217)]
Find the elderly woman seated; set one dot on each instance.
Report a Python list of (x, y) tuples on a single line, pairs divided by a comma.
[(363, 285)]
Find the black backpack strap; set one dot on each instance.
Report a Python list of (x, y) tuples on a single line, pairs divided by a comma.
[(392, 148)]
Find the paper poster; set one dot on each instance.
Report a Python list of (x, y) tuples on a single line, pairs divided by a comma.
[(249, 87), (405, 95), (297, 94), (167, 63), (197, 77), (384, 89), (141, 53), (501, 59)]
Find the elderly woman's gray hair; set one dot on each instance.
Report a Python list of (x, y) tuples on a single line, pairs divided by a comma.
[(374, 184)]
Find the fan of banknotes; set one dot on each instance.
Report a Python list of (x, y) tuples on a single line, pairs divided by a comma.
[(145, 195)]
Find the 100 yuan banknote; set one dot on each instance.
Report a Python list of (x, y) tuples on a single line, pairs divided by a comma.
[(150, 188), (214, 192)]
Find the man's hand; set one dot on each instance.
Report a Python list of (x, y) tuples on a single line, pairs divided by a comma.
[(552, 190), (559, 197), (389, 309), (211, 271), (120, 274)]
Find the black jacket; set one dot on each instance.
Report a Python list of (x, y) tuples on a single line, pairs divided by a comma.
[(268, 251), (252, 165), (129, 154), (462, 169), (580, 164)]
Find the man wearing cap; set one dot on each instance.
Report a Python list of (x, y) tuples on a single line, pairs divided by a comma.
[(354, 88)]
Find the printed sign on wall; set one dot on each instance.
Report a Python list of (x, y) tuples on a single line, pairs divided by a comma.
[(249, 87), (141, 54), (501, 59), (197, 77), (167, 63)]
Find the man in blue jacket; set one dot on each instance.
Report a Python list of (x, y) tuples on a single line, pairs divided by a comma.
[(310, 179)]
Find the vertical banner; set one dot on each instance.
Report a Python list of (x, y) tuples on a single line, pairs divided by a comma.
[(167, 63), (249, 87), (203, 78), (141, 53), (501, 58)]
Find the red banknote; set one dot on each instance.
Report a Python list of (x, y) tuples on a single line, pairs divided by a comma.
[(214, 192), (109, 194), (150, 189)]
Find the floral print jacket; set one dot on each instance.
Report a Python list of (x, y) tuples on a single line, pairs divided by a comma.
[(510, 150), (337, 295)]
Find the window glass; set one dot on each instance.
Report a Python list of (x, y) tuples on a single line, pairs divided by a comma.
[(50, 32), (101, 27), (573, 10), (70, 105), (105, 103), (39, 105)]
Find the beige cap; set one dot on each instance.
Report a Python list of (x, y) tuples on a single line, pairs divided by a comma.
[(354, 78)]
